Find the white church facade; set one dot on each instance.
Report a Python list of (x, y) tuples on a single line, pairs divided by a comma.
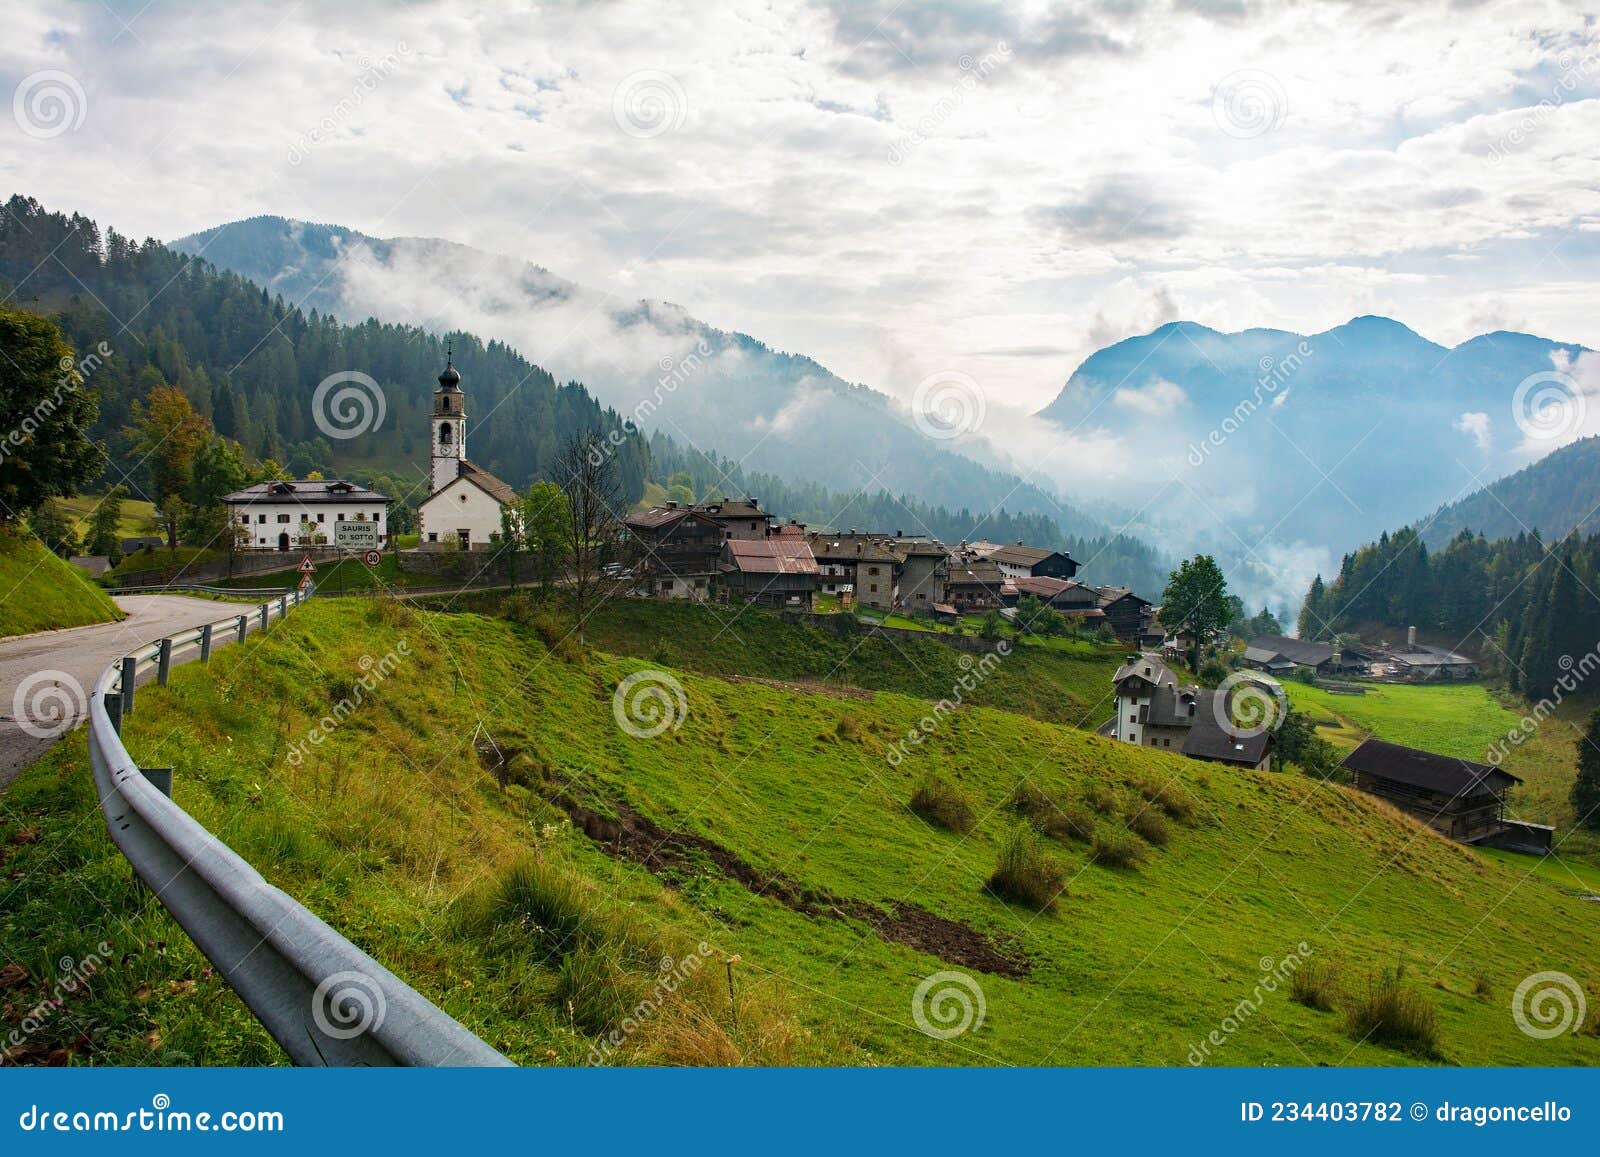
[(463, 509)]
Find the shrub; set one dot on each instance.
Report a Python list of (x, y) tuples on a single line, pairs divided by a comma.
[(394, 611), (1050, 815), (943, 804), (1116, 848), (1026, 874), (1390, 1012), (1482, 986), (1102, 798), (1169, 797), (518, 607), (1315, 985), (1150, 825)]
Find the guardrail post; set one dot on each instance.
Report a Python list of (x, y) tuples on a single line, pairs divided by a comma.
[(161, 778), (283, 606), (130, 669), (164, 661), (264, 607), (113, 702), (205, 643), (243, 624)]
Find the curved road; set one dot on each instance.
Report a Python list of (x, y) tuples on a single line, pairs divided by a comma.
[(60, 668)]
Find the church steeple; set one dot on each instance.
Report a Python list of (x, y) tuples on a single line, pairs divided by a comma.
[(449, 425)]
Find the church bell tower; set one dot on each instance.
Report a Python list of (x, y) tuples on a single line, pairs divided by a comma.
[(449, 427)]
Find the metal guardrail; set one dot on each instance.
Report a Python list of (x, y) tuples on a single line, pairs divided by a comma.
[(173, 588), (323, 999)]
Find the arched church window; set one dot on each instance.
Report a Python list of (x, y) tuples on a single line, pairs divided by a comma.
[(444, 434)]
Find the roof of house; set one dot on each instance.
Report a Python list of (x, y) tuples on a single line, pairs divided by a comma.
[(850, 548), (778, 554), (1208, 739), (1109, 595), (1426, 769), (1146, 667), (1019, 555), (305, 491), (1198, 710), (724, 509), (500, 491), (1431, 657), (1043, 586), (976, 571), (1299, 651)]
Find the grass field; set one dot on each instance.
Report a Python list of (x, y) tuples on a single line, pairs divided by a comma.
[(783, 838), (347, 574), (40, 592), (137, 517)]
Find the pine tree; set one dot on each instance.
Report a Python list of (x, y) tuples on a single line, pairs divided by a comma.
[(1586, 788)]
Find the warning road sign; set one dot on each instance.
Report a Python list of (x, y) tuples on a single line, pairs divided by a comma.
[(307, 567)]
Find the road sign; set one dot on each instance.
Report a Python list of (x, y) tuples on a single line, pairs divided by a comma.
[(305, 583), (372, 557), (356, 535), (307, 567)]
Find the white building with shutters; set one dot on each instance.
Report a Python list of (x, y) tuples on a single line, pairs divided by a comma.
[(304, 512)]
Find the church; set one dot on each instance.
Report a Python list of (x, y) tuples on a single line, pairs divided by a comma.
[(463, 508)]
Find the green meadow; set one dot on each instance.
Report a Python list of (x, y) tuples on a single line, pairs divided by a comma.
[(484, 825)]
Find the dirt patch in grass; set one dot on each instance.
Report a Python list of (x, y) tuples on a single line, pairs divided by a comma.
[(804, 686), (631, 836)]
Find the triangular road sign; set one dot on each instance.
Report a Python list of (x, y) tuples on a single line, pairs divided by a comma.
[(307, 566)]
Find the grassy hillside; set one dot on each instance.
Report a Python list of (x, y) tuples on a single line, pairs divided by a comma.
[(770, 824), (138, 517), (40, 592)]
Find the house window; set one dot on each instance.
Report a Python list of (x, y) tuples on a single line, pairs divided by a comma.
[(872, 570), (361, 516), (1134, 718), (283, 518), (873, 588), (433, 538), (322, 518), (244, 520), (259, 518), (666, 586), (920, 595)]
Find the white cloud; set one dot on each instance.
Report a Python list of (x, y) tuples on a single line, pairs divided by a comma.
[(1476, 424), (1155, 400)]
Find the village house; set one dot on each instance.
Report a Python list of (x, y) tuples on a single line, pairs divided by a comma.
[(974, 585), (464, 506), (923, 567), (1125, 612), (1153, 710), (1456, 797), (305, 512), (738, 517), (1280, 655), (677, 551), (1019, 561), (862, 569), (776, 571), (1424, 664)]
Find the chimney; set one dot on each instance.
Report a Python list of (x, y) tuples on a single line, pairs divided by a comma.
[(1411, 638), (672, 506), (897, 534)]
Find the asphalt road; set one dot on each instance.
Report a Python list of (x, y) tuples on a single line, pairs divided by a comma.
[(45, 679)]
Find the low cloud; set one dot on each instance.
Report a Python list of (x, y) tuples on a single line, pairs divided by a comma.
[(1157, 400), (1477, 425)]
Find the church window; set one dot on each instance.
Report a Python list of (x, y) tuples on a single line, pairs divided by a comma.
[(444, 434)]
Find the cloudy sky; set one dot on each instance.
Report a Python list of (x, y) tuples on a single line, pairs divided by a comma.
[(897, 190)]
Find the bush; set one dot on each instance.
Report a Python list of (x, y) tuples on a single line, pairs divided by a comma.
[(1390, 1012), (1169, 797), (1150, 825), (1115, 848), (1026, 874), (518, 607), (1315, 985), (1052, 817), (943, 804), (1102, 798)]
